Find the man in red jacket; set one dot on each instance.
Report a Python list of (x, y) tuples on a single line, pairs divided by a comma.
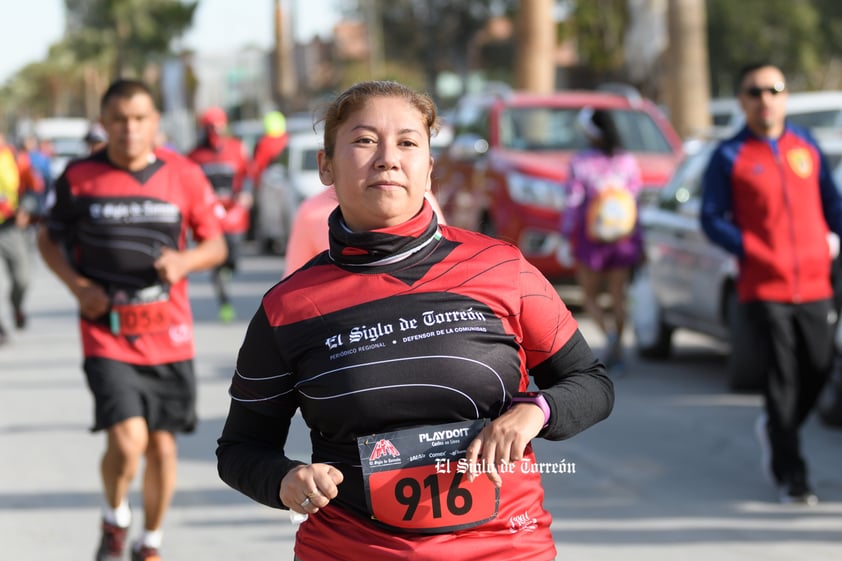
[(224, 160), (769, 199)]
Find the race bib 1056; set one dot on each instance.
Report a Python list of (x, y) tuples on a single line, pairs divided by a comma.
[(407, 489)]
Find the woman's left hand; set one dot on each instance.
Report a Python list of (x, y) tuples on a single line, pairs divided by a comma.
[(504, 440)]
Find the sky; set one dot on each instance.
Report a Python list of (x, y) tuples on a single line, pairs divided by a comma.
[(218, 26)]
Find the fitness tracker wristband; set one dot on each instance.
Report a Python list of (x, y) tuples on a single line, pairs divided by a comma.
[(535, 398)]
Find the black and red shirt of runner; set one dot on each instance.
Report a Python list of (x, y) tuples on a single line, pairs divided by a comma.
[(226, 166), (114, 223), (418, 326)]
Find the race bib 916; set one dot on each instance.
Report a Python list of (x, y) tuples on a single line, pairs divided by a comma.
[(407, 489)]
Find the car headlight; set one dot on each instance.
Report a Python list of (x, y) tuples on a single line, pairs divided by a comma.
[(536, 191)]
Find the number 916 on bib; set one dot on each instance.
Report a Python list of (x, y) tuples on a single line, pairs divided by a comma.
[(407, 489)]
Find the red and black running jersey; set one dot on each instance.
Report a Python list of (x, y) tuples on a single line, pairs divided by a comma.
[(226, 165), (414, 326), (114, 224)]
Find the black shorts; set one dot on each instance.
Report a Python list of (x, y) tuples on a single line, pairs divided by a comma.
[(164, 395)]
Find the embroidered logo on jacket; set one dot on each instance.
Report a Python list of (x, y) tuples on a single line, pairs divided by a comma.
[(800, 161)]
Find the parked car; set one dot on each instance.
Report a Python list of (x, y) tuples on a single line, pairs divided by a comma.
[(818, 111), (287, 181), (504, 172), (688, 282)]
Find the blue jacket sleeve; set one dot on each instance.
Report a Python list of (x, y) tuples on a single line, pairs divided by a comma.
[(831, 201), (716, 213)]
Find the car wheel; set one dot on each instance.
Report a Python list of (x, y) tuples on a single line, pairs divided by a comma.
[(747, 362), (653, 337)]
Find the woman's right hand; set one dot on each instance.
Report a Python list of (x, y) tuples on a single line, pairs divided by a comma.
[(306, 489)]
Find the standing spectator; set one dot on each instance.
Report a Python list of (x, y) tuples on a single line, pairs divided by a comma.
[(409, 341), (769, 199), (224, 160), (117, 238), (19, 191), (600, 221)]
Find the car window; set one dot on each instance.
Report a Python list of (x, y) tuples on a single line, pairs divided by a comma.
[(472, 119), (640, 133), (310, 160), (815, 119), (721, 119), (540, 128), (550, 128), (686, 183)]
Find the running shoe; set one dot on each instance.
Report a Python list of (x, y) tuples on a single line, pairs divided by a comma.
[(144, 553), (227, 314), (112, 543), (797, 491)]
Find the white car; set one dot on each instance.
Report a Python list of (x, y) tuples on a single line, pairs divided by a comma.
[(817, 111), (287, 181), (688, 282), (66, 135)]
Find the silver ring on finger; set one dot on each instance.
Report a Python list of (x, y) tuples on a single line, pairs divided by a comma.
[(305, 502)]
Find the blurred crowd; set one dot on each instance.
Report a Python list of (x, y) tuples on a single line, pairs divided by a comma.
[(30, 165)]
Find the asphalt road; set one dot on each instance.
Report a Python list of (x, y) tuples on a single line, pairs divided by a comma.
[(673, 474)]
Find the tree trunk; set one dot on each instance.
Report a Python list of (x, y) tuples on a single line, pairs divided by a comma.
[(688, 81), (535, 57)]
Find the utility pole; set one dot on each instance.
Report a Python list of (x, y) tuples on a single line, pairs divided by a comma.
[(688, 79), (375, 39), (285, 83), (536, 42)]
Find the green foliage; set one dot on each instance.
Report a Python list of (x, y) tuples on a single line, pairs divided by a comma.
[(599, 27), (104, 39), (437, 35), (129, 33), (789, 33)]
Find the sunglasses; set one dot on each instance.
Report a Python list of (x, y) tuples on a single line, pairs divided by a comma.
[(757, 91)]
